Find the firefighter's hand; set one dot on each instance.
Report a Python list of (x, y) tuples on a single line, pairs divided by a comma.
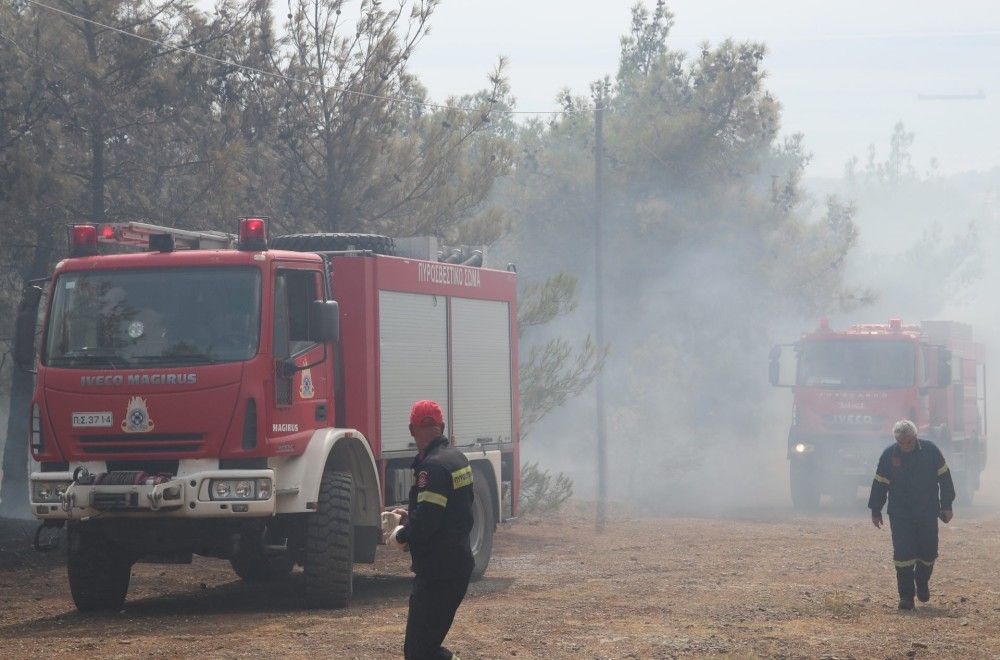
[(877, 519), (946, 516), (394, 541), (390, 520)]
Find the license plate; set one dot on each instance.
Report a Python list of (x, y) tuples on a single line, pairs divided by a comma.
[(92, 419)]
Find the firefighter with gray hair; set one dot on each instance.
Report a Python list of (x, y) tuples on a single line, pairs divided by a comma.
[(914, 476)]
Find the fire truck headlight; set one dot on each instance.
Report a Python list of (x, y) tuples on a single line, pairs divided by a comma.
[(802, 448), (263, 489), (240, 489), (48, 491), (222, 489)]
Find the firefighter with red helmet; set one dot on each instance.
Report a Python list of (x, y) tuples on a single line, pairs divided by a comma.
[(436, 527), (914, 476)]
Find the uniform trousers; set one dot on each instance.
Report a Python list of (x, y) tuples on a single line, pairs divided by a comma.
[(433, 604), (914, 549)]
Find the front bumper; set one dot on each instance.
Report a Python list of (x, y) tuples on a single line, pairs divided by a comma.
[(837, 456), (180, 497)]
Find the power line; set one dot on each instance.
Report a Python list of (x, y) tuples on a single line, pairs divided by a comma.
[(281, 76)]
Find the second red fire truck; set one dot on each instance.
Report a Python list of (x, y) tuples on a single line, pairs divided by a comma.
[(850, 386)]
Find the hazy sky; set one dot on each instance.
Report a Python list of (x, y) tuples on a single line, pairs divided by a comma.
[(845, 72)]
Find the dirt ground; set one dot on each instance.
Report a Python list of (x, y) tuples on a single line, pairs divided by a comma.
[(757, 583)]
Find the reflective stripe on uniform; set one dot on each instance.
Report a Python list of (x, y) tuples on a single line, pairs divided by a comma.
[(925, 562), (942, 469), (905, 564), (882, 480), (462, 477), (432, 497)]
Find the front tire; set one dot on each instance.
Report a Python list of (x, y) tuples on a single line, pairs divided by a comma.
[(99, 573), (804, 487), (483, 524), (329, 545)]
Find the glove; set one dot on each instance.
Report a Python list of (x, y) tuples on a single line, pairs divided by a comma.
[(394, 541), (390, 521)]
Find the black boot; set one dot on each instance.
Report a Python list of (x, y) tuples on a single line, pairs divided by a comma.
[(922, 577), (904, 583)]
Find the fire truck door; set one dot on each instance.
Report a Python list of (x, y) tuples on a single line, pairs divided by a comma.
[(302, 366)]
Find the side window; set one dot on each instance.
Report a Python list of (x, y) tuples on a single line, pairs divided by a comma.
[(294, 291)]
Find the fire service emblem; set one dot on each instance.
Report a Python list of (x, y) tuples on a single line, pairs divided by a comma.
[(306, 389), (137, 417)]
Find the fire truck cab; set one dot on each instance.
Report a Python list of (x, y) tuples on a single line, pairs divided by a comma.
[(851, 386), (246, 399)]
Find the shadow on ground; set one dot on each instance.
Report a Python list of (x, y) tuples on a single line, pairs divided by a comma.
[(237, 597)]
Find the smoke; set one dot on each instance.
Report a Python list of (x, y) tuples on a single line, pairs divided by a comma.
[(693, 425)]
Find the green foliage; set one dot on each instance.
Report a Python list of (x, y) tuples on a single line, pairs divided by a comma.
[(541, 302), (358, 158), (555, 370), (540, 493)]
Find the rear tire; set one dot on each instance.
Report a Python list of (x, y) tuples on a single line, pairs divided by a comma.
[(804, 487), (329, 545), (483, 524), (334, 243), (99, 573)]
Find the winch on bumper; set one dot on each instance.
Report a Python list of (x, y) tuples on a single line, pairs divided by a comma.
[(207, 494)]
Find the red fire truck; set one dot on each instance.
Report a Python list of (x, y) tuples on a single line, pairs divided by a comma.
[(229, 397), (850, 387)]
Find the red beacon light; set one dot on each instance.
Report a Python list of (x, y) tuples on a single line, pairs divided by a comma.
[(106, 232), (82, 240), (895, 325), (253, 234)]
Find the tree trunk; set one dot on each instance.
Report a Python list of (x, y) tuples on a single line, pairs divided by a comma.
[(330, 222), (14, 487), (97, 172)]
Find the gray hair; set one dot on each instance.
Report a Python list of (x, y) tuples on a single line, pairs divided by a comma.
[(904, 428)]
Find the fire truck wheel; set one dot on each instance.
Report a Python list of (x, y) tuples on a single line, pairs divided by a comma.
[(329, 549), (334, 242), (483, 524), (98, 572), (253, 565), (804, 486)]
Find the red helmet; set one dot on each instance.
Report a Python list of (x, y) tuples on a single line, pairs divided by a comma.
[(426, 413)]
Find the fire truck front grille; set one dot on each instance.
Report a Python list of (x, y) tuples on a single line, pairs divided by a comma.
[(147, 443)]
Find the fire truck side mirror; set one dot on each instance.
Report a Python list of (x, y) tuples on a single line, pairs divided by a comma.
[(324, 321), (782, 374), (774, 365), (944, 367), (24, 330)]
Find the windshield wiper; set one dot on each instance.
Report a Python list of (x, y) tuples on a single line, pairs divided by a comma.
[(89, 357)]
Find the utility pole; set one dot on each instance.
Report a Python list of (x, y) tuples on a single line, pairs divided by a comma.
[(602, 448)]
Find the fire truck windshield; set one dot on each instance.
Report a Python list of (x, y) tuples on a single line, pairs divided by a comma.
[(856, 364), (153, 317)]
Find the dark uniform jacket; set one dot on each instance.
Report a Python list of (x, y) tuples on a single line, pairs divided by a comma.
[(917, 483), (440, 513)]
